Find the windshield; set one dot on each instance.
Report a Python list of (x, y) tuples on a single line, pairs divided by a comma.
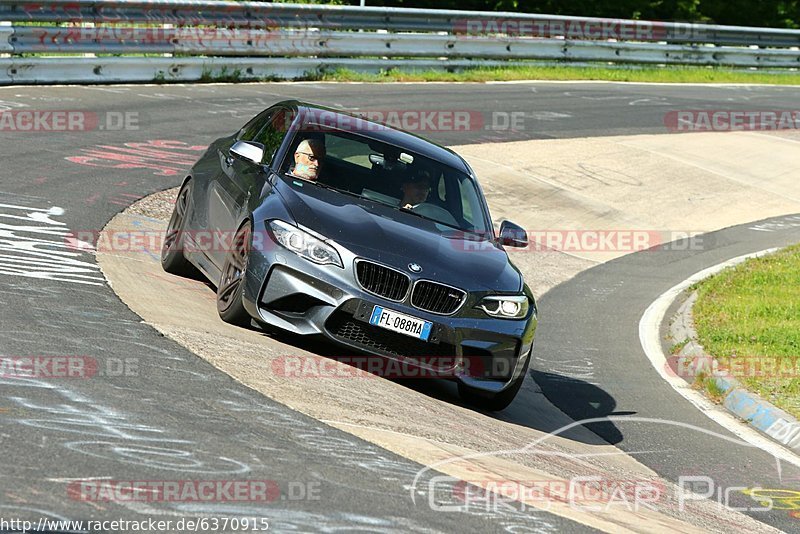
[(387, 174)]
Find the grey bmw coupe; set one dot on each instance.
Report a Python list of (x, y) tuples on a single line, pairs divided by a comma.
[(322, 223)]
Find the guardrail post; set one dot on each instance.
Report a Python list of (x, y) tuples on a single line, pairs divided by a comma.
[(6, 38)]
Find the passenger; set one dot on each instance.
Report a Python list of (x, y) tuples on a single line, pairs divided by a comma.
[(415, 190), (308, 159)]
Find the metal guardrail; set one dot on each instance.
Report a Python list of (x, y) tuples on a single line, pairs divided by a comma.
[(228, 33), (294, 43), (256, 14)]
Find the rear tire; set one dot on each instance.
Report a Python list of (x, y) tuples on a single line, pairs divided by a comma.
[(231, 285), (172, 259), (497, 402)]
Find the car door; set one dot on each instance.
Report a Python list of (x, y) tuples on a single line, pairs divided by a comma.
[(239, 179)]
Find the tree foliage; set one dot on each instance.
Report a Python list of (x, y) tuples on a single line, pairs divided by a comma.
[(770, 13)]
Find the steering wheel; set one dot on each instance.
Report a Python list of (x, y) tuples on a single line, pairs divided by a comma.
[(437, 213)]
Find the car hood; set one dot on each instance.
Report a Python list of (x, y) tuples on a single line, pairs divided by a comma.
[(381, 233)]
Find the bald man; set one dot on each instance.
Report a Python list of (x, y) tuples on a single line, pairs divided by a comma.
[(307, 159)]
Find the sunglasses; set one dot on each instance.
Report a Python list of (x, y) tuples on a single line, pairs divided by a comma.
[(311, 157)]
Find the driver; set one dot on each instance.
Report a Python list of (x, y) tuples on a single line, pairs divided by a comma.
[(415, 188), (307, 159)]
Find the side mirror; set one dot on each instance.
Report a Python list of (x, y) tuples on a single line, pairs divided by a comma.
[(247, 151), (512, 235)]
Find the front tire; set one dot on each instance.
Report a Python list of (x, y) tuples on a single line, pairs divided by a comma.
[(172, 259), (230, 290), (498, 402)]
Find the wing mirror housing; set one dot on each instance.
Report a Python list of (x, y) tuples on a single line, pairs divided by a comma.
[(247, 151), (513, 235)]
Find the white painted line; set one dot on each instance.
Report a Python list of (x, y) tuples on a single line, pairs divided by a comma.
[(81, 479), (649, 328), (617, 82)]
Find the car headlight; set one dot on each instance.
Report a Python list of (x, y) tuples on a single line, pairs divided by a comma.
[(304, 244), (505, 307)]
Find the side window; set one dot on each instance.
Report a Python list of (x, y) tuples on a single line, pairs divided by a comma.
[(251, 129), (348, 150), (272, 134), (467, 204), (470, 204), (439, 187)]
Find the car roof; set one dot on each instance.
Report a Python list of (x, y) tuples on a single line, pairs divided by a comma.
[(385, 133)]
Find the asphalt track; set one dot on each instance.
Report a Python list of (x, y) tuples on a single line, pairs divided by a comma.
[(175, 417), (591, 365)]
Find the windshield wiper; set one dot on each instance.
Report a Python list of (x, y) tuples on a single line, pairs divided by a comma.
[(356, 195), (410, 210), (331, 188)]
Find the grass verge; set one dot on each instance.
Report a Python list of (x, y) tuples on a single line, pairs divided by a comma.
[(567, 73), (748, 318), (707, 384)]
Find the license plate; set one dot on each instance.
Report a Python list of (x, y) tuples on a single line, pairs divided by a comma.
[(400, 322)]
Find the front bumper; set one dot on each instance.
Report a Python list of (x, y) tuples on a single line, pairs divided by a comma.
[(291, 293)]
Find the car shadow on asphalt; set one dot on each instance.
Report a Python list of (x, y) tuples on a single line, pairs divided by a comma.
[(586, 402), (530, 408)]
